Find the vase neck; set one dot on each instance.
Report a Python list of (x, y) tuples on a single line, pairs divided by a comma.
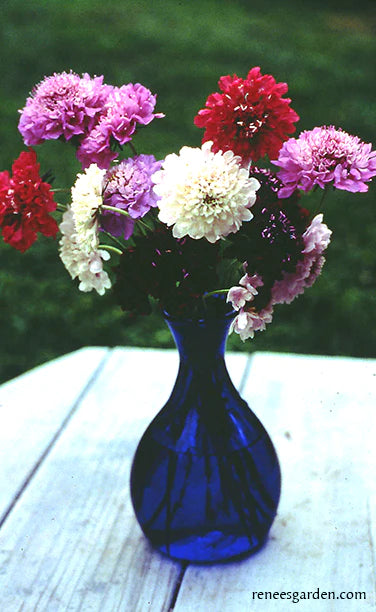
[(202, 341)]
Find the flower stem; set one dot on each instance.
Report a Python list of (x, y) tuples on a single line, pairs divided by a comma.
[(108, 247), (210, 293), (115, 210), (61, 207), (115, 240)]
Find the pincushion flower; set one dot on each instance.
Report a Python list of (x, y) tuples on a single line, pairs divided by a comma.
[(239, 296), (316, 239), (128, 186), (126, 107), (63, 104), (87, 198), (323, 156), (250, 117), (204, 194), (85, 264), (26, 202), (249, 321)]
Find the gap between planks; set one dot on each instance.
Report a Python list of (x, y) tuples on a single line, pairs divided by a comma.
[(54, 438)]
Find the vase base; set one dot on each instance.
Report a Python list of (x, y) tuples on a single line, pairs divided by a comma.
[(214, 547)]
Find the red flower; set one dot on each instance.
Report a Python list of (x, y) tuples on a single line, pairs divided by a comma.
[(25, 203), (249, 118)]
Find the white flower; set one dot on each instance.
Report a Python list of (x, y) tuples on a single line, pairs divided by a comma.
[(204, 194), (84, 263), (86, 201)]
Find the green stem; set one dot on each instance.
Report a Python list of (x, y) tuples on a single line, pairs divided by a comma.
[(115, 240), (60, 190), (115, 210), (108, 247), (215, 293), (61, 207), (125, 213)]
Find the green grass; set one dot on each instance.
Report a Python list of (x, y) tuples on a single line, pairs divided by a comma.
[(324, 50)]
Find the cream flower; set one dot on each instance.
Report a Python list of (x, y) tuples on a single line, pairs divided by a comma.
[(86, 201), (84, 263), (204, 194)]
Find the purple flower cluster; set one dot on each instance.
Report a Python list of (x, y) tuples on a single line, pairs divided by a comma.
[(323, 156), (98, 115), (128, 186)]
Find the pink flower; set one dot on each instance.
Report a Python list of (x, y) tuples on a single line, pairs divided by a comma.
[(126, 107), (238, 296), (62, 105), (322, 156), (316, 239), (250, 117), (247, 322)]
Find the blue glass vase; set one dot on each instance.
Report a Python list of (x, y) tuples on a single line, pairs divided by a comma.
[(205, 479)]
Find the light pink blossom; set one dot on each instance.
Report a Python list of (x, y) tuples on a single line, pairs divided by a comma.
[(238, 296), (316, 239), (247, 322)]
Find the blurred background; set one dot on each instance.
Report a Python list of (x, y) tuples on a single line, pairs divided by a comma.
[(324, 50)]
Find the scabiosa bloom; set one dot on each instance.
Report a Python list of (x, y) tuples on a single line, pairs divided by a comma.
[(250, 117), (249, 321), (204, 194), (239, 296), (128, 186), (316, 239), (26, 202), (322, 156), (126, 107), (64, 105), (84, 264), (87, 198)]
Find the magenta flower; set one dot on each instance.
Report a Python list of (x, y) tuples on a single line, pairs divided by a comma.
[(322, 156), (128, 186), (316, 239), (62, 105), (126, 107)]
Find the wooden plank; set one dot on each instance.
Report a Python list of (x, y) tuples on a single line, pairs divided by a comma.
[(72, 541), (320, 414), (33, 407)]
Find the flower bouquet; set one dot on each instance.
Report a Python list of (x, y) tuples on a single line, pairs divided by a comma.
[(216, 236), (200, 223)]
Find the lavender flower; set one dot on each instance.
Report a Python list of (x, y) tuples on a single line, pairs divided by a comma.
[(128, 186), (322, 156), (62, 105)]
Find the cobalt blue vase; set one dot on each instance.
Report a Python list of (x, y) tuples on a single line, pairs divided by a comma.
[(205, 479)]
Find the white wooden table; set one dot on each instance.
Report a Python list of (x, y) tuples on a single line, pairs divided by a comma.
[(68, 537)]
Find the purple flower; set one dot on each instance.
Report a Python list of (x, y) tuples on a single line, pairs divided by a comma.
[(62, 105), (128, 186), (325, 155), (126, 107), (316, 239)]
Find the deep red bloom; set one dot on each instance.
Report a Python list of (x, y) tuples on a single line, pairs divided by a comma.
[(25, 203), (249, 118)]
